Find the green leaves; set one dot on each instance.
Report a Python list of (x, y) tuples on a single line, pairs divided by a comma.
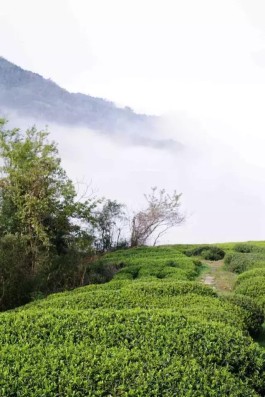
[(147, 337), (38, 204), (124, 352)]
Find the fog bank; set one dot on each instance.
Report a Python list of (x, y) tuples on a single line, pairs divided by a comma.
[(223, 195), (223, 191)]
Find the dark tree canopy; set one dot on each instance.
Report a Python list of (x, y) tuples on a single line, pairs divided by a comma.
[(109, 225), (39, 211)]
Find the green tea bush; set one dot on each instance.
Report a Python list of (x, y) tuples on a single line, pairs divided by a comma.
[(254, 288), (128, 273), (252, 312), (101, 272), (188, 299), (161, 251), (151, 331), (250, 274), (130, 353), (258, 264), (142, 295), (180, 271), (153, 263), (244, 248), (173, 288), (208, 252), (239, 262)]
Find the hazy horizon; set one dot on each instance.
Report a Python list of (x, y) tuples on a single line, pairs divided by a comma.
[(199, 64)]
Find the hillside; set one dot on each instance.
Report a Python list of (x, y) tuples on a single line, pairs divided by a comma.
[(28, 95), (154, 330), (32, 95)]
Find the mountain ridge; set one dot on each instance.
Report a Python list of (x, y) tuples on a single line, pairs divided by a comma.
[(30, 95)]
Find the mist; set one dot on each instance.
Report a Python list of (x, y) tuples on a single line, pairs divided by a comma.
[(222, 190), (204, 61)]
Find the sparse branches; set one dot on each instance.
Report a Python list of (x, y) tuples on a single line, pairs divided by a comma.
[(161, 214)]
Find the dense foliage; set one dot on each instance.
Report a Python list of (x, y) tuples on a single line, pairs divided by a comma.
[(252, 312), (244, 248), (208, 252), (159, 263), (42, 241), (130, 353), (239, 262), (249, 261), (139, 335), (152, 330), (59, 237), (254, 287)]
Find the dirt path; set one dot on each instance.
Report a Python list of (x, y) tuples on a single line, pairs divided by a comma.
[(223, 282), (218, 278)]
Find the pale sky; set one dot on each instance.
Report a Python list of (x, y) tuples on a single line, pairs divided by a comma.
[(155, 55), (198, 61), (205, 58)]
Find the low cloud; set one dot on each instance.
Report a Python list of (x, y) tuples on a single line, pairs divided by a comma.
[(222, 192)]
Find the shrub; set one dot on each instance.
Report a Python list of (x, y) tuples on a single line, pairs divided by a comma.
[(238, 262), (101, 272), (173, 288), (252, 312), (132, 353), (128, 273), (16, 280), (235, 262), (243, 247), (142, 334), (250, 274), (254, 288), (208, 252), (144, 263)]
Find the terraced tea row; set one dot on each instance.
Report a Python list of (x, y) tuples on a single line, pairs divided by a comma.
[(126, 352), (144, 336), (250, 264), (153, 263)]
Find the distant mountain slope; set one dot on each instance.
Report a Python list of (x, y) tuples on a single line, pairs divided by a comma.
[(31, 96)]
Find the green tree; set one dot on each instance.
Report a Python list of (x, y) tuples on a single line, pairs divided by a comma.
[(109, 225), (38, 203)]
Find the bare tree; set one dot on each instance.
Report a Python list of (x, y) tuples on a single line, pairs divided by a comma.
[(161, 214)]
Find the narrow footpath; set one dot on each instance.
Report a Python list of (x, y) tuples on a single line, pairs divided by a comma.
[(217, 277), (222, 281)]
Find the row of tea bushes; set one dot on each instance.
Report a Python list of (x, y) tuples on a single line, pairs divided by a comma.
[(147, 336), (250, 246), (250, 274), (187, 298), (239, 262), (208, 252), (125, 353), (153, 263), (253, 287), (242, 257), (248, 260), (252, 312)]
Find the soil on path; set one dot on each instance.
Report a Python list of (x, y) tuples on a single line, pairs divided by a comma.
[(223, 282), (217, 277)]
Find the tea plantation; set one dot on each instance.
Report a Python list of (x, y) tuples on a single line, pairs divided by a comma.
[(154, 330)]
